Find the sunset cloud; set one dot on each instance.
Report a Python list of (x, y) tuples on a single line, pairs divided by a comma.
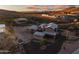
[(33, 7)]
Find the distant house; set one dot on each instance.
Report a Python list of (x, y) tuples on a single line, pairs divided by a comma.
[(69, 18)]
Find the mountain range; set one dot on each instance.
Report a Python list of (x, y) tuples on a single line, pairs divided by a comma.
[(13, 14)]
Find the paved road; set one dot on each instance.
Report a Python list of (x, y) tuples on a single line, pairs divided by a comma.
[(22, 34), (69, 47)]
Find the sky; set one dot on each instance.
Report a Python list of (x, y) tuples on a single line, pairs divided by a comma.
[(33, 7)]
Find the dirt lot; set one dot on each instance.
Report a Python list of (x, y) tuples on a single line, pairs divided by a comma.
[(22, 33)]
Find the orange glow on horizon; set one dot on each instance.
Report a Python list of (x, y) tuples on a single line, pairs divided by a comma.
[(32, 7)]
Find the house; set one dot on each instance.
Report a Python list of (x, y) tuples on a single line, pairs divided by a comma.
[(2, 31), (49, 30), (52, 26)]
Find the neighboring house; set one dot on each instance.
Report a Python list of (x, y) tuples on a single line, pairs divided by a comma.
[(49, 30), (2, 30), (39, 35), (43, 26), (52, 25)]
